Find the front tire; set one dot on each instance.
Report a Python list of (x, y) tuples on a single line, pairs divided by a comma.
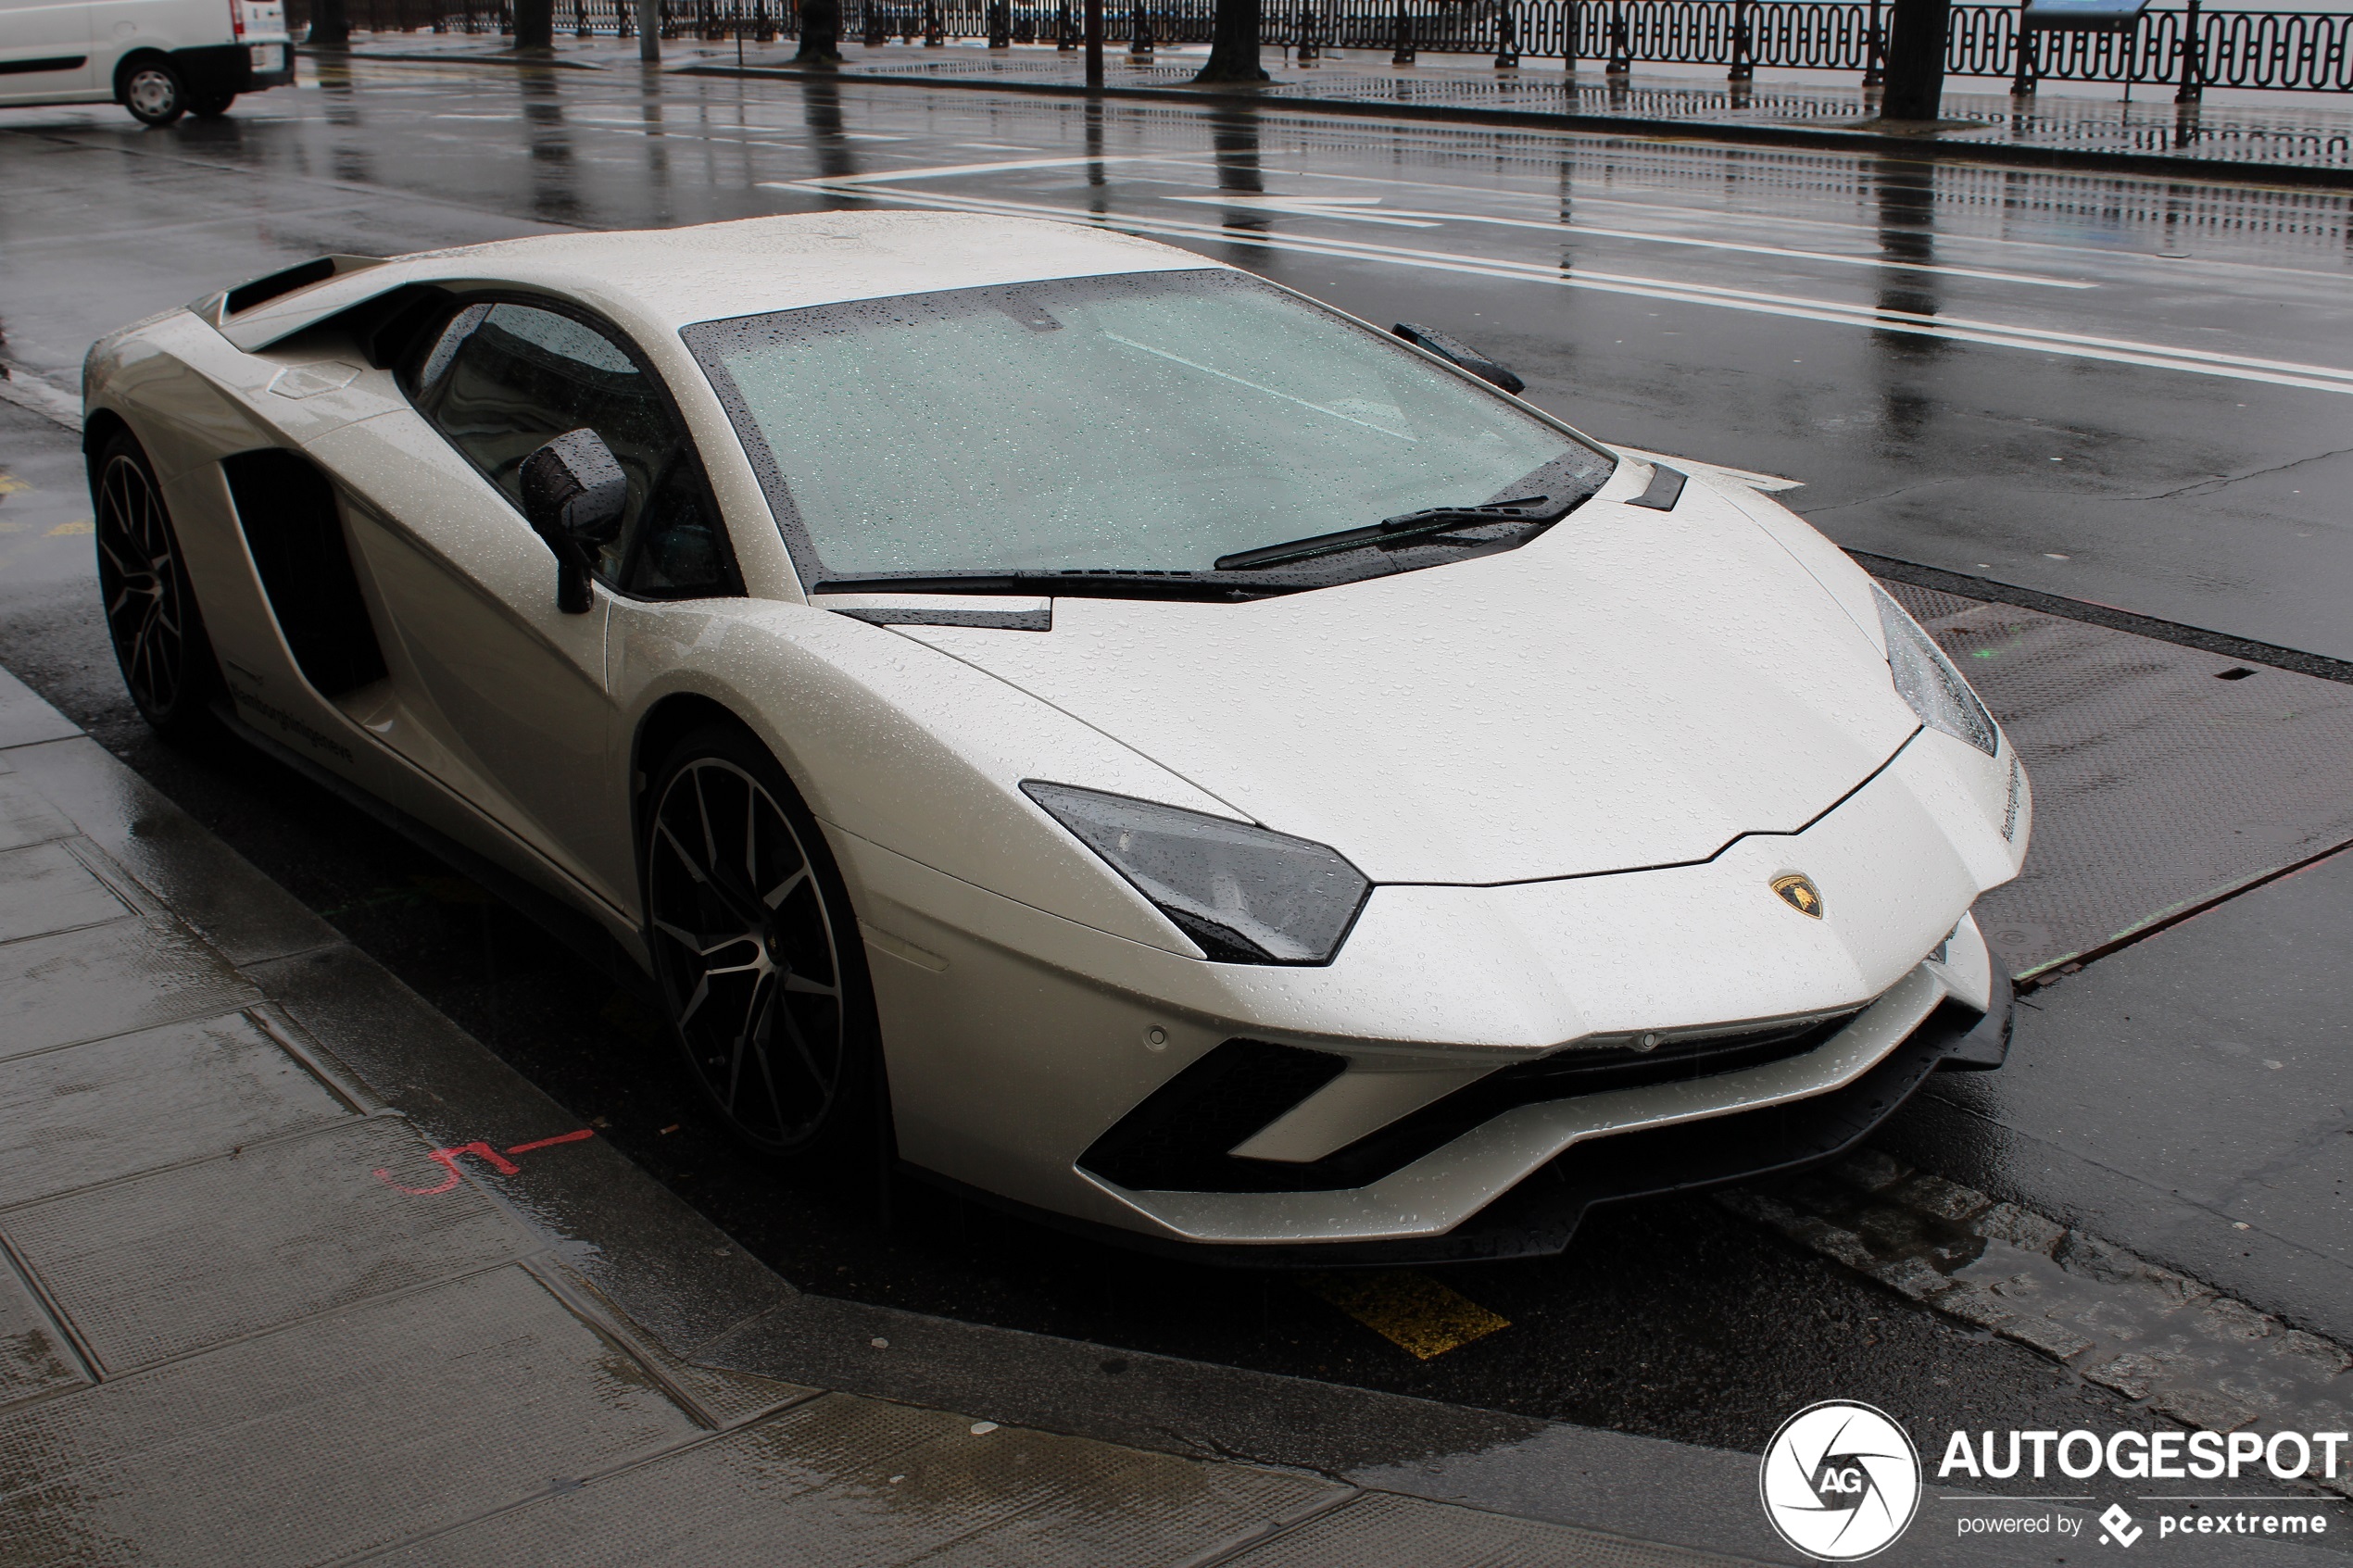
[(758, 952), (153, 92), (152, 618)]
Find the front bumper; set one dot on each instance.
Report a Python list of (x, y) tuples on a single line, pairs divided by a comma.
[(1539, 1215)]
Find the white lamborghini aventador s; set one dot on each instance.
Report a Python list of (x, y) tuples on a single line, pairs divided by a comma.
[(1156, 750)]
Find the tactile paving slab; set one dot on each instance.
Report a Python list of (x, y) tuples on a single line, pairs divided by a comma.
[(853, 1481), (1383, 1530), (2161, 777), (113, 1107), (191, 1257), (338, 1436)]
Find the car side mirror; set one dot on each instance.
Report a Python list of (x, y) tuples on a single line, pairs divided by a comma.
[(1454, 351), (573, 494)]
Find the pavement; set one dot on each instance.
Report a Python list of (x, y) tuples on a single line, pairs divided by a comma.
[(2251, 137)]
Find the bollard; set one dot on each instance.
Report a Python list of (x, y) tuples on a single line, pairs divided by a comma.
[(1065, 29), (1507, 38), (1139, 35), (1403, 52), (1874, 52), (1743, 69), (935, 31), (1621, 62), (1001, 26), (2023, 81)]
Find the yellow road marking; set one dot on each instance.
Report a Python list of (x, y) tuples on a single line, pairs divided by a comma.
[(63, 529), (1412, 1310), (11, 485)]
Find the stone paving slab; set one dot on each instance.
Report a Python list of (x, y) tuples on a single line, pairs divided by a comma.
[(848, 1480), (142, 1101), (336, 1435), (193, 1256), (1383, 1531)]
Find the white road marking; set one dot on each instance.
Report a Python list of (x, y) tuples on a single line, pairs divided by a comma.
[(1999, 334), (1353, 209), (944, 169)]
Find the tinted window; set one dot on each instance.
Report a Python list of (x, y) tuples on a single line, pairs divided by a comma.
[(500, 379)]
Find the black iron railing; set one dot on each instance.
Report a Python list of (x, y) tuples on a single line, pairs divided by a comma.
[(2290, 51)]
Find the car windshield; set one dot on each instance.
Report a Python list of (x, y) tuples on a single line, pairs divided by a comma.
[(1143, 423)]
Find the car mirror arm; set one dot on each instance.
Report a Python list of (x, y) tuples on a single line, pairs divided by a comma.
[(573, 495)]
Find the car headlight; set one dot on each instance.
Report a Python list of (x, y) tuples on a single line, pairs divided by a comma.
[(1245, 894), (1928, 681)]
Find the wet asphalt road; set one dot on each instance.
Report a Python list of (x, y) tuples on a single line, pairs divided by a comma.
[(2128, 391), (2120, 469)]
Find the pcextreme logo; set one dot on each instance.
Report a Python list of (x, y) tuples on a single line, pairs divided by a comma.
[(1839, 1481)]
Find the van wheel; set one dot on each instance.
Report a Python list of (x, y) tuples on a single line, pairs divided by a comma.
[(153, 92), (211, 105)]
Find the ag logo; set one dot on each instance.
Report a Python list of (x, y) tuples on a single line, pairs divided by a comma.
[(1839, 1481), (1797, 890)]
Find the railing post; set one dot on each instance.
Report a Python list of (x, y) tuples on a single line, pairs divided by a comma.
[(1506, 36), (2193, 87), (934, 30), (1308, 53), (1875, 51), (1066, 30), (1742, 68), (877, 31), (1621, 61), (1403, 55), (1001, 24), (1140, 33), (1568, 36), (2023, 79)]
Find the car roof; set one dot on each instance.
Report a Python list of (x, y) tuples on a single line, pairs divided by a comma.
[(672, 278)]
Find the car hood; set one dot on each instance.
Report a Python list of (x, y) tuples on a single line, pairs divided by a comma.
[(1633, 689)]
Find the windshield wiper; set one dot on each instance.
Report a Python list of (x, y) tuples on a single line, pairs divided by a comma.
[(1393, 530)]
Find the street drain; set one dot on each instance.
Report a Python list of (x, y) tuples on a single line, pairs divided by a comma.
[(2157, 787)]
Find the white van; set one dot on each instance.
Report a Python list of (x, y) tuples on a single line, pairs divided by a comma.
[(157, 58)]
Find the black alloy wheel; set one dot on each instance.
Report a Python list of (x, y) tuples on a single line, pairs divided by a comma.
[(151, 612), (757, 950)]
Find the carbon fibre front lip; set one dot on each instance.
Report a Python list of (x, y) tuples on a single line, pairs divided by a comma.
[(1541, 1215), (1440, 1192)]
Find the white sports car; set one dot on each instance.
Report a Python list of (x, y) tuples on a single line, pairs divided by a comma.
[(1146, 746)]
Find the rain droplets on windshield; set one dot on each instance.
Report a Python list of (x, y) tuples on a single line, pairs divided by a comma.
[(1137, 422)]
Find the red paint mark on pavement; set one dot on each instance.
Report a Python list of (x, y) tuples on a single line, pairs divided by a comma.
[(448, 1159), (561, 1137)]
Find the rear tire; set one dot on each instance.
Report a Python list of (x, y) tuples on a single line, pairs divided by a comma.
[(210, 105), (153, 92), (758, 953), (152, 618)]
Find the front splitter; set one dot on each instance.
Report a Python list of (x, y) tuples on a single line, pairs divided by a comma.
[(1540, 1216)]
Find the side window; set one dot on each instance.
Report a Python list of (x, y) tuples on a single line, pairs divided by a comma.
[(498, 380)]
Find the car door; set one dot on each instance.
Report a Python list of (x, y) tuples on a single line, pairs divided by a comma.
[(513, 686), (45, 51)]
